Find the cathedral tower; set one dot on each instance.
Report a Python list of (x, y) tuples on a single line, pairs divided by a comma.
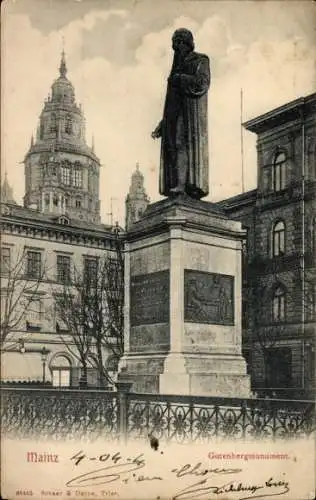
[(137, 200), (61, 170)]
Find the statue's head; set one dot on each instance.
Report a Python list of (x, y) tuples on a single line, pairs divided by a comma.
[(182, 40)]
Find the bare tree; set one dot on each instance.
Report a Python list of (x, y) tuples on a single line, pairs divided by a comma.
[(91, 309), (72, 321), (106, 313), (19, 293)]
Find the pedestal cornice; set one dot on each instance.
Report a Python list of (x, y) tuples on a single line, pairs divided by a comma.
[(184, 211)]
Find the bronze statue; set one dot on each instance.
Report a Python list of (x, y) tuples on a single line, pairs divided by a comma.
[(183, 129)]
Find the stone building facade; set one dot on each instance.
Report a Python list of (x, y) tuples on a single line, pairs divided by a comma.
[(52, 247), (279, 292), (58, 230)]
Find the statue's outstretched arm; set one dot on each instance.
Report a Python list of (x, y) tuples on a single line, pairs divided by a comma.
[(158, 131)]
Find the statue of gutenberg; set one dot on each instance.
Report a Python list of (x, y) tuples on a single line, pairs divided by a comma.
[(183, 129)]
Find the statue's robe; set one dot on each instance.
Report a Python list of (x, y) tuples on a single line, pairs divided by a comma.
[(184, 136)]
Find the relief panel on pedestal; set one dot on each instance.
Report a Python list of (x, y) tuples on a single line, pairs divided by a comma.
[(208, 298)]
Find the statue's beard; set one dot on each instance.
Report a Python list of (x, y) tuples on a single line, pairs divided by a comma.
[(177, 60)]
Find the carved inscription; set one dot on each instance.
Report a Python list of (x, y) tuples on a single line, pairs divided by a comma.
[(208, 298), (144, 337), (149, 301)]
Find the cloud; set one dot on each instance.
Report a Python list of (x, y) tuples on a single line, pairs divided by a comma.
[(124, 102)]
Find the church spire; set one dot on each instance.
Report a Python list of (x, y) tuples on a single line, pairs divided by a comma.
[(6, 191), (63, 67)]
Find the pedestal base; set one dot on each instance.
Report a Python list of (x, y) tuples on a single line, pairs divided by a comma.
[(204, 380), (144, 371)]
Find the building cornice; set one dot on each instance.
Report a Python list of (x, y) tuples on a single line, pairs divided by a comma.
[(184, 213), (51, 231), (239, 201), (62, 147), (288, 112)]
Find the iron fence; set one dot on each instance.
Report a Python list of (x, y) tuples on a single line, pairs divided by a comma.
[(65, 414), (188, 419), (59, 414)]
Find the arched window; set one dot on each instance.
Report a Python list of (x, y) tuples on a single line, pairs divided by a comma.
[(278, 304), (61, 371), (53, 123), (68, 125), (278, 239), (63, 220), (278, 172)]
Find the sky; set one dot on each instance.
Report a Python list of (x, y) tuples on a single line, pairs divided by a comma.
[(119, 56)]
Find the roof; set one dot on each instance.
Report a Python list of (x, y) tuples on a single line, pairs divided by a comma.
[(239, 200), (18, 212), (289, 111)]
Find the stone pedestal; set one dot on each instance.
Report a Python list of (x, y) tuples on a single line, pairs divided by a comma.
[(183, 301)]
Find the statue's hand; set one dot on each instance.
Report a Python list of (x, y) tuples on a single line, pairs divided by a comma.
[(157, 132)]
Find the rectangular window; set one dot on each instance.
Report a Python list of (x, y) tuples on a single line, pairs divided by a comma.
[(60, 325), (34, 312), (61, 378), (278, 239), (77, 178), (5, 260), (33, 264), (65, 173), (63, 268), (90, 269), (278, 367)]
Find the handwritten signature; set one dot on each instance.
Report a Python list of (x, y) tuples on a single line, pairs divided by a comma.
[(125, 469), (202, 490)]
